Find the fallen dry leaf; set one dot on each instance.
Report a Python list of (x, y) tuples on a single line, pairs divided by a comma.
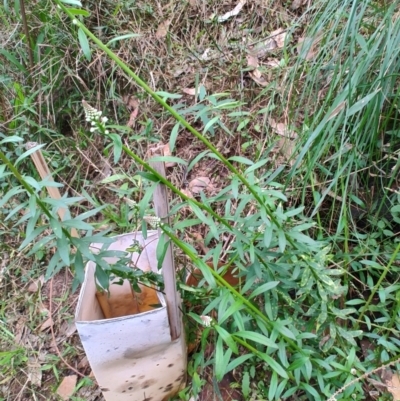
[(67, 387), (297, 3), (393, 386), (286, 149), (262, 48), (189, 91), (36, 284), (48, 323), (157, 149), (233, 12), (35, 372), (281, 129), (337, 110), (279, 37), (53, 346), (20, 330), (307, 48), (276, 40), (83, 364), (252, 61), (132, 118), (258, 77), (68, 328), (167, 152), (199, 184), (193, 3), (163, 150), (187, 192), (273, 62), (132, 104), (162, 29)]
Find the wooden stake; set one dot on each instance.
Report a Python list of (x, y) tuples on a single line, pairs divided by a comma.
[(160, 198), (45, 173)]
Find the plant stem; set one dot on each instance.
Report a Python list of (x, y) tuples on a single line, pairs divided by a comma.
[(254, 311), (177, 116), (27, 35), (377, 285)]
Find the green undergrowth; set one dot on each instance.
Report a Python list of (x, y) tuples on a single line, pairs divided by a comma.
[(309, 223)]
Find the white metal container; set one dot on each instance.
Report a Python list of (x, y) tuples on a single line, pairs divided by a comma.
[(132, 357)]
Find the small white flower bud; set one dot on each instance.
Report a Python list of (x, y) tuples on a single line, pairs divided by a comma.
[(154, 221), (206, 320)]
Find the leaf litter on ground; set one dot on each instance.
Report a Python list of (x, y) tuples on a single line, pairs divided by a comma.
[(67, 387), (233, 12)]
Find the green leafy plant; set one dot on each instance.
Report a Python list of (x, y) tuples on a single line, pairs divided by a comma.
[(314, 242)]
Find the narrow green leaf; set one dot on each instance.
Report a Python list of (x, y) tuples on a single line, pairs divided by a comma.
[(11, 58), (56, 226), (311, 390), (256, 166), (228, 339), (148, 176), (294, 212), (72, 2), (28, 153), (117, 142), (79, 267), (233, 364), (102, 277), (268, 236), (84, 43), (241, 159), (51, 267), (114, 177), (14, 191), (206, 271), (35, 233), (173, 136), (63, 250), (122, 37), (274, 365), (219, 360), (257, 338), (281, 240), (172, 159), (90, 213), (281, 328), (11, 139), (78, 224), (297, 363), (167, 95), (41, 243), (264, 288), (361, 103), (273, 385), (210, 124), (77, 11), (246, 384)]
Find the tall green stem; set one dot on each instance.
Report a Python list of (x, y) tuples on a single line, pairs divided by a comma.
[(378, 284)]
